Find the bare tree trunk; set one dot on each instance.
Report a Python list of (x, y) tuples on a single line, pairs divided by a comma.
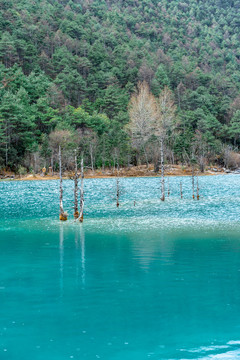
[(193, 196), (146, 157), (197, 188), (81, 193), (162, 171), (201, 161), (168, 188), (76, 213), (91, 156), (63, 215), (181, 193), (173, 158), (117, 184), (34, 163), (113, 163), (156, 166), (52, 164), (118, 191)]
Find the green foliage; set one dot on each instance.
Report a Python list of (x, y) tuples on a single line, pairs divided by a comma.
[(22, 170), (160, 80), (74, 66), (234, 129)]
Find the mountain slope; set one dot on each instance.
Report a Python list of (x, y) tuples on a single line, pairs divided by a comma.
[(93, 53)]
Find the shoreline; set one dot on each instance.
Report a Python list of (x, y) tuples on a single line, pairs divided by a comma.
[(134, 171)]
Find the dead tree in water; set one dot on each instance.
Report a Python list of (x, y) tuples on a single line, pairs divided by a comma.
[(118, 191), (81, 193), (76, 213), (117, 185), (193, 186), (168, 188), (181, 193), (197, 188), (63, 215), (162, 171)]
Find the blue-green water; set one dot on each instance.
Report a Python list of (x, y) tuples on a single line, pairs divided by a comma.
[(150, 281)]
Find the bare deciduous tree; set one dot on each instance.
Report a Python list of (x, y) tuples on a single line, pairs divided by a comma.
[(68, 141), (89, 144), (142, 111), (200, 150), (166, 113)]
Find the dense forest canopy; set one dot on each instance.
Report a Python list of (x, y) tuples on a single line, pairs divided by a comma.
[(73, 66)]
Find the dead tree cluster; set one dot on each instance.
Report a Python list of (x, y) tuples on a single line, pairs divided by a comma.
[(78, 213), (181, 187)]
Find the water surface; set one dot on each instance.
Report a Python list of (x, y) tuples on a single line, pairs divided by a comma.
[(151, 281)]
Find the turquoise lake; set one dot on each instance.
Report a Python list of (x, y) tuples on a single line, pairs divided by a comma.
[(151, 281)]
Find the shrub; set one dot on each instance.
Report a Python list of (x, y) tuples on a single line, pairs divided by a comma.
[(22, 170)]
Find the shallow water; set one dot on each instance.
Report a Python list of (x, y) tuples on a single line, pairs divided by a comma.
[(150, 281)]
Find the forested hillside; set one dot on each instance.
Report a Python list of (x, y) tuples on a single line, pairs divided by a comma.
[(70, 67)]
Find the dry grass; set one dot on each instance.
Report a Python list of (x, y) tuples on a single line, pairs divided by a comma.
[(134, 171)]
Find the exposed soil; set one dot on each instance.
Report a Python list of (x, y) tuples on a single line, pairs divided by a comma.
[(133, 171)]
